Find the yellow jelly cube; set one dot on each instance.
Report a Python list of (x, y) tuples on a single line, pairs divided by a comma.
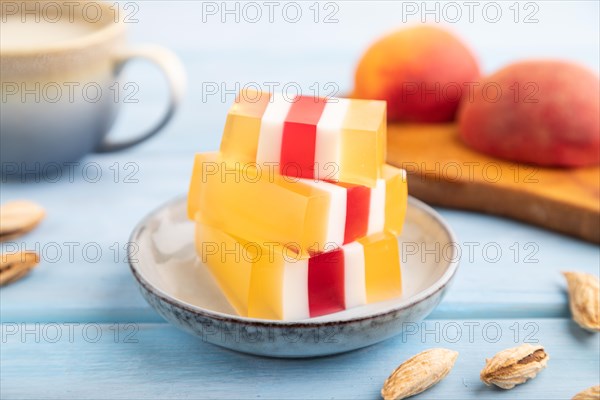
[(382, 275), (242, 126), (250, 202)]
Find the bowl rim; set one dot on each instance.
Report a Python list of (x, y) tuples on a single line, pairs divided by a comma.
[(421, 296)]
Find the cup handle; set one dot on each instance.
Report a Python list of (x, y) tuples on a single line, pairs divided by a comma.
[(174, 73)]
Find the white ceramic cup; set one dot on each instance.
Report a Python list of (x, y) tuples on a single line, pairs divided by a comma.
[(60, 63)]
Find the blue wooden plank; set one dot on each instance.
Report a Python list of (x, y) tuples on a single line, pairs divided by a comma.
[(157, 361)]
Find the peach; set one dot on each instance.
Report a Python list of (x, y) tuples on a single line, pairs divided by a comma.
[(539, 112), (421, 72)]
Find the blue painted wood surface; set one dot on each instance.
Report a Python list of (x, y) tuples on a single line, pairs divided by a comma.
[(521, 289), (150, 361)]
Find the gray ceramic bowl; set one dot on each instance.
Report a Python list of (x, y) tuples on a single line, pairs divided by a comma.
[(182, 290)]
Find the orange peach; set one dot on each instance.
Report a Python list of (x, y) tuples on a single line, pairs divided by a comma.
[(539, 112), (421, 72)]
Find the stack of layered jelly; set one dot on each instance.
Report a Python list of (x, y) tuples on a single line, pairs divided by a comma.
[(297, 216)]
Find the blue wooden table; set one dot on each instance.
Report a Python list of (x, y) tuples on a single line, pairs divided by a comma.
[(78, 328)]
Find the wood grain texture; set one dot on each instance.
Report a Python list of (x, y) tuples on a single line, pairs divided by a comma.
[(444, 171), (168, 364), (156, 361)]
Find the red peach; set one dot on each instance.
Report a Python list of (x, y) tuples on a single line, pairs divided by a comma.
[(539, 112), (421, 72)]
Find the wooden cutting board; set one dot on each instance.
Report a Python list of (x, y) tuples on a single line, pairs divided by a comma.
[(443, 171)]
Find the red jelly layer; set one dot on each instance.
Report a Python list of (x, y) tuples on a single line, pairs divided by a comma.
[(299, 137), (358, 200), (326, 283)]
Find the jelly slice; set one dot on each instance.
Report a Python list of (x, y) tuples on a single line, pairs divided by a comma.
[(334, 139), (269, 282), (306, 215)]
